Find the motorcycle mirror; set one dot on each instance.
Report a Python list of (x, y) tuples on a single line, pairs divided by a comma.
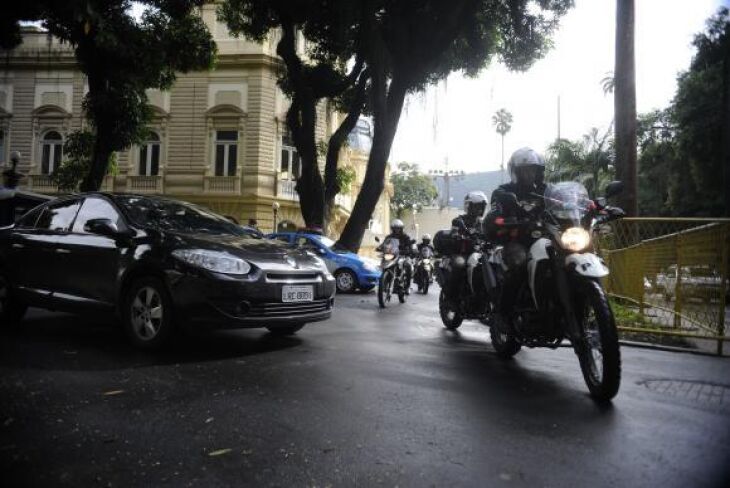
[(614, 188), (506, 197), (377, 239)]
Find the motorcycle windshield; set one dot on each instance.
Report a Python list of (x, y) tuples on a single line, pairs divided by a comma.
[(391, 246), (426, 252), (567, 201)]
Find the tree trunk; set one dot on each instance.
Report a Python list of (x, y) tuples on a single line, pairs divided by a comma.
[(338, 138), (386, 116), (301, 120), (725, 134), (102, 152), (625, 106)]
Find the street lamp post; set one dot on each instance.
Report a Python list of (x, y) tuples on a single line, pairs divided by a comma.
[(446, 175), (275, 209)]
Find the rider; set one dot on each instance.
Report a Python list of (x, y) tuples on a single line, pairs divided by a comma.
[(527, 174), (425, 242), (404, 247), (463, 229)]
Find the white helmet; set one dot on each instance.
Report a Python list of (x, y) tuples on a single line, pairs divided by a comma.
[(426, 238), (476, 204), (526, 167), (396, 224)]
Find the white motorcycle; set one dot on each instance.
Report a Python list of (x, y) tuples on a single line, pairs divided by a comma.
[(543, 282)]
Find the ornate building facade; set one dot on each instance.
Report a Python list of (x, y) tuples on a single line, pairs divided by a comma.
[(217, 138)]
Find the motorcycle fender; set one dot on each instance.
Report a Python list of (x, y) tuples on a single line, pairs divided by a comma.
[(538, 252), (587, 264)]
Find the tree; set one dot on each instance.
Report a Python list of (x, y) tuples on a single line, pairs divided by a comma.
[(657, 161), (700, 113), (502, 121), (409, 44), (331, 30), (77, 152), (411, 189), (625, 105), (589, 160), (121, 58)]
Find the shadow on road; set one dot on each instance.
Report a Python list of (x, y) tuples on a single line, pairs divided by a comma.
[(70, 342)]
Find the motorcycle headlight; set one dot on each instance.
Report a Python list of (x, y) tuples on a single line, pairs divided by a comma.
[(388, 256), (575, 239), (219, 262), (426, 261)]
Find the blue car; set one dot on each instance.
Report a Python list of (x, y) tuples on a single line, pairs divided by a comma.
[(351, 271)]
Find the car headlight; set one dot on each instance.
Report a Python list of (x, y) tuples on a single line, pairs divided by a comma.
[(219, 262), (371, 267), (575, 239)]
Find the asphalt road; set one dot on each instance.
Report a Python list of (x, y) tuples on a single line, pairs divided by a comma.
[(369, 398)]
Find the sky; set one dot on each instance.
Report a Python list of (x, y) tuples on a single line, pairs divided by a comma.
[(453, 121)]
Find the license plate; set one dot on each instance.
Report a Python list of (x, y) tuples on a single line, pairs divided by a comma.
[(297, 293)]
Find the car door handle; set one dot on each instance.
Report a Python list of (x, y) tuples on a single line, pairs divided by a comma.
[(63, 251), (18, 246)]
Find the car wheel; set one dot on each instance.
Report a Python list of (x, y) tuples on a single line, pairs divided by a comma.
[(11, 310), (345, 280), (285, 330), (147, 313)]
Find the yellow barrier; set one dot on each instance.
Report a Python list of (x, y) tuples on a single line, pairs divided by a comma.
[(670, 275)]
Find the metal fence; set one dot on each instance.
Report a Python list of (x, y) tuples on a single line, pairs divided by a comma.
[(669, 277)]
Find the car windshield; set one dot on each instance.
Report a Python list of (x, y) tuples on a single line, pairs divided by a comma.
[(177, 216)]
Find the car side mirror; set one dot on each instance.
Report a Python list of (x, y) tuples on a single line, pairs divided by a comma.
[(103, 227), (614, 188), (321, 251)]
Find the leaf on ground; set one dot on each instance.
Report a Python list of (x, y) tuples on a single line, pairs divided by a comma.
[(219, 452), (113, 392)]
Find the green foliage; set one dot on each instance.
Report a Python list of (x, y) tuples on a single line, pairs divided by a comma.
[(345, 178), (589, 160), (77, 153), (411, 188)]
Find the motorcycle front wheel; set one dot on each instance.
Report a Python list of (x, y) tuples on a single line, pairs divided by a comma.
[(600, 356), (405, 284), (385, 287), (503, 342), (450, 316)]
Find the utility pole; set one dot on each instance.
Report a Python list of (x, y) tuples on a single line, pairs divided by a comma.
[(446, 175), (558, 118)]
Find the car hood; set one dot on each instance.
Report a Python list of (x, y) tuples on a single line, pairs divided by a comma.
[(265, 254)]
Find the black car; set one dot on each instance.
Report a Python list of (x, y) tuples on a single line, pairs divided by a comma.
[(156, 263)]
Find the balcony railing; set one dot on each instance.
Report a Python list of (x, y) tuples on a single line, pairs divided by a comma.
[(42, 184), (144, 184), (222, 184), (286, 189)]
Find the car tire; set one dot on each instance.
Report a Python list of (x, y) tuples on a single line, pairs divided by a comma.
[(12, 310), (147, 313), (345, 280), (285, 330)]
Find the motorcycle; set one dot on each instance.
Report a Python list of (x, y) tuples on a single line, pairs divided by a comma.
[(459, 275), (424, 269), (553, 291), (393, 278)]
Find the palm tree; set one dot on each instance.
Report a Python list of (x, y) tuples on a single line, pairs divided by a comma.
[(624, 102), (502, 120), (608, 83)]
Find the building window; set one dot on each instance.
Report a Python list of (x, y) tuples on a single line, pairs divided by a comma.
[(52, 151), (290, 165), (149, 156), (226, 152)]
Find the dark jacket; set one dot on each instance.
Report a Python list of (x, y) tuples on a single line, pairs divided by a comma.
[(404, 245)]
